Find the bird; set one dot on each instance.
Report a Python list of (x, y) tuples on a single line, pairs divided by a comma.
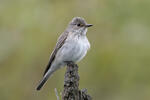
[(71, 46)]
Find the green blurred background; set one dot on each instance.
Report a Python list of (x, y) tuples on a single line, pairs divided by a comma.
[(117, 67)]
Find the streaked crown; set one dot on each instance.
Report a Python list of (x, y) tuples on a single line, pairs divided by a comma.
[(78, 21)]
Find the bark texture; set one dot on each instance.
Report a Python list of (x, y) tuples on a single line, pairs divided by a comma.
[(71, 85)]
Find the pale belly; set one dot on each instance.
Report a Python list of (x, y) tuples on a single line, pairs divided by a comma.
[(74, 50), (77, 52)]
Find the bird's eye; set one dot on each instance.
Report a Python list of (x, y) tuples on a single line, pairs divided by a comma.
[(78, 24)]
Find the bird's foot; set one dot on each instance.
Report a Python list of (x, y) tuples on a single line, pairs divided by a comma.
[(70, 63)]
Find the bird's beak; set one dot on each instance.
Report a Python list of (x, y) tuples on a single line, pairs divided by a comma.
[(88, 25)]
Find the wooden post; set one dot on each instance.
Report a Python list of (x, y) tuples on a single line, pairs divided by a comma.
[(71, 85)]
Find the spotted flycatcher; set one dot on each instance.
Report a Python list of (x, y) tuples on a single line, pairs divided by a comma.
[(72, 46)]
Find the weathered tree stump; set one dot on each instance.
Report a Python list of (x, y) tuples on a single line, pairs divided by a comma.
[(71, 85)]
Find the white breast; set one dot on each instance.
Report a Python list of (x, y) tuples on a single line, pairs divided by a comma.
[(76, 48), (82, 48)]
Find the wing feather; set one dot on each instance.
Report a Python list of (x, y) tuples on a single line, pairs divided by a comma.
[(59, 44)]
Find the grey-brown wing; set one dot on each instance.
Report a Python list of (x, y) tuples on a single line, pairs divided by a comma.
[(59, 44)]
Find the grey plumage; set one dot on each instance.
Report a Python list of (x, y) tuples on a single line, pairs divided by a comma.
[(59, 44), (72, 45)]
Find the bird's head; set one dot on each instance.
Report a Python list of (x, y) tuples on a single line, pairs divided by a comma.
[(79, 25)]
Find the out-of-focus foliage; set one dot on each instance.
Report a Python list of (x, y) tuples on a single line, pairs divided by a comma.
[(116, 68)]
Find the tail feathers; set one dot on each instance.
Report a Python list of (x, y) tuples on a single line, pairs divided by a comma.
[(45, 78), (42, 83)]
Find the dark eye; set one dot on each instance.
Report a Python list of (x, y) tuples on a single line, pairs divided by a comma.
[(78, 24)]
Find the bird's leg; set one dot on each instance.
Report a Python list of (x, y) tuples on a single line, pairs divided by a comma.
[(69, 63)]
